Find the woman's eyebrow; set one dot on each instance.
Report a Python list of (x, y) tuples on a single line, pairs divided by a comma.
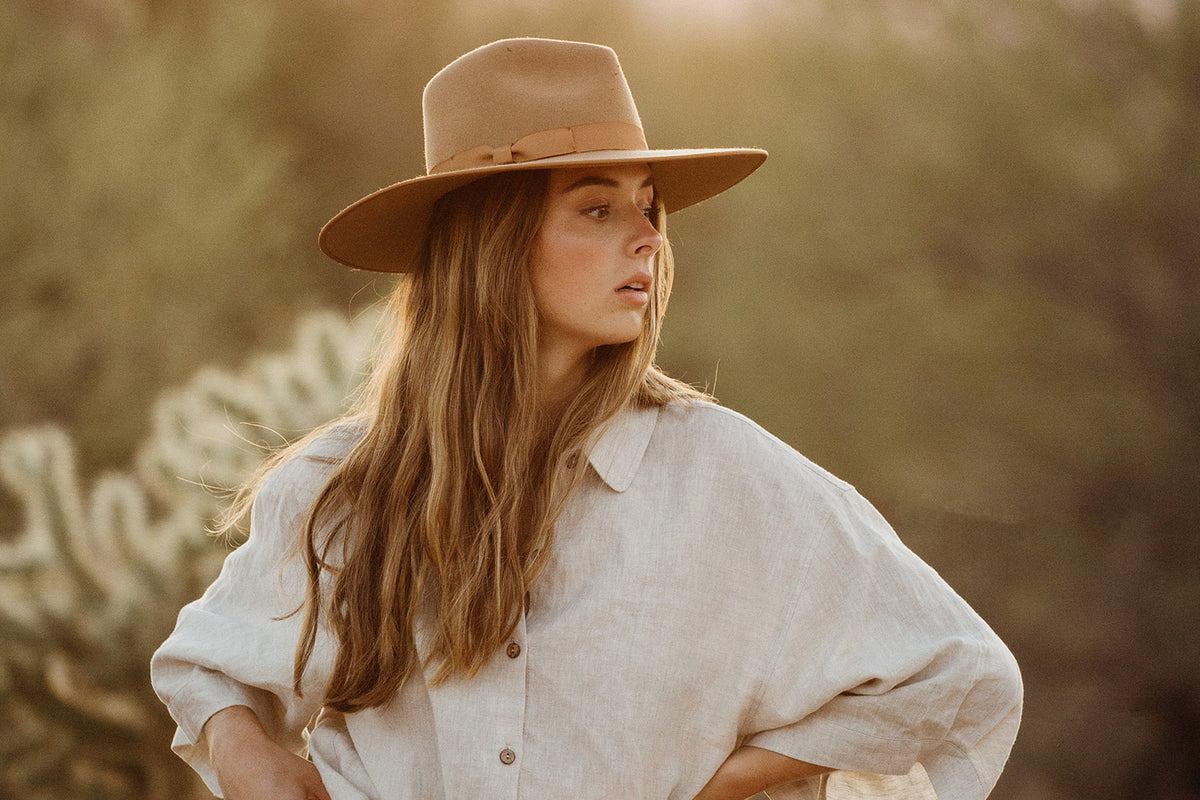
[(598, 180)]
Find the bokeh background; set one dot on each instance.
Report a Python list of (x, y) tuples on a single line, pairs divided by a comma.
[(966, 281)]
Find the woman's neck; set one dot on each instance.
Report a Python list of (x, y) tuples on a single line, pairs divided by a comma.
[(560, 375)]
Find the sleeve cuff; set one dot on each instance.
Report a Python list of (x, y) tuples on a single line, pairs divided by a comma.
[(819, 741), (207, 692)]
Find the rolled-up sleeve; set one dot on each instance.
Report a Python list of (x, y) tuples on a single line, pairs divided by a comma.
[(236, 644), (886, 674)]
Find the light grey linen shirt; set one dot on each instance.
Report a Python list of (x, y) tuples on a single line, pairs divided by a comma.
[(709, 588)]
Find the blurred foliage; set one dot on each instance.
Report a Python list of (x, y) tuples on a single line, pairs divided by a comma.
[(966, 280), (92, 585), (151, 210)]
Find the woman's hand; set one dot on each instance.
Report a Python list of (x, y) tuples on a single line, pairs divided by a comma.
[(250, 766), (750, 770)]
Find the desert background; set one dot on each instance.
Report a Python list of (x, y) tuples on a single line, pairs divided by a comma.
[(967, 280)]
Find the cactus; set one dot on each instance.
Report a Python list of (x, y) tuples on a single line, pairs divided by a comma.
[(92, 584)]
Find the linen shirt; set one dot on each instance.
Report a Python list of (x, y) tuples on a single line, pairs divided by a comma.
[(709, 588)]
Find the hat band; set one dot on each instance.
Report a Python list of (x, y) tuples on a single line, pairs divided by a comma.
[(546, 144)]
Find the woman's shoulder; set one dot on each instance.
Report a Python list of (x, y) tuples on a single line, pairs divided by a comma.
[(707, 430), (303, 473)]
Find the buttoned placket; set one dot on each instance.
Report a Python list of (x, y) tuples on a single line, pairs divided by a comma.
[(480, 734), (512, 664)]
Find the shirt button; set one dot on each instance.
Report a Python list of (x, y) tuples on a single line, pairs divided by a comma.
[(513, 650), (507, 756)]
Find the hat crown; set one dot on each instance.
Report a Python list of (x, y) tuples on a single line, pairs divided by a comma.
[(506, 90)]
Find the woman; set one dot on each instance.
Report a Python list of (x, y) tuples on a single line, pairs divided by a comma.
[(532, 565)]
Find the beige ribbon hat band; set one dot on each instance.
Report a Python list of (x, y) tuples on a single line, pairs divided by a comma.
[(521, 104), (546, 144)]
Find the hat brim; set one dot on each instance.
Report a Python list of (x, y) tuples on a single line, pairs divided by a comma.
[(384, 231)]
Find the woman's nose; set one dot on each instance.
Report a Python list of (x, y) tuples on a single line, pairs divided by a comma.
[(646, 239)]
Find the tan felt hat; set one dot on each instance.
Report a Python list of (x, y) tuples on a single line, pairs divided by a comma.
[(521, 104)]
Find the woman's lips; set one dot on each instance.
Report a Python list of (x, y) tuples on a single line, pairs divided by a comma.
[(636, 290)]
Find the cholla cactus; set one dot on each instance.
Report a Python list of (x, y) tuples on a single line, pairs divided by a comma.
[(93, 583), (218, 428)]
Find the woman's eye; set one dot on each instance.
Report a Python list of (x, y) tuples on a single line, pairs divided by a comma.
[(597, 212), (649, 213)]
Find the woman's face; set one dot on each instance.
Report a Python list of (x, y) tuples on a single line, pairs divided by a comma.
[(593, 260)]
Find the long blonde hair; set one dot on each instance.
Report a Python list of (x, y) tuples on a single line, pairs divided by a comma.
[(451, 496)]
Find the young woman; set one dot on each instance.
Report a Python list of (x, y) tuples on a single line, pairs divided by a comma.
[(532, 565)]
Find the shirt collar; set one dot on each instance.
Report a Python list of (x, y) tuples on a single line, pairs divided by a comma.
[(618, 452)]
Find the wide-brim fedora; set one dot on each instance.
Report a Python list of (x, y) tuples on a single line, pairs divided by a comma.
[(522, 104)]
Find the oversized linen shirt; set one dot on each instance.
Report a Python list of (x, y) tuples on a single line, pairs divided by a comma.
[(709, 588)]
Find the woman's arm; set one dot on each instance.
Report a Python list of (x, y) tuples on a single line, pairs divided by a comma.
[(750, 770), (250, 766), (909, 674), (234, 646)]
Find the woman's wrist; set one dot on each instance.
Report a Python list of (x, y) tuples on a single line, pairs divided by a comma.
[(234, 728), (749, 770), (251, 766)]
